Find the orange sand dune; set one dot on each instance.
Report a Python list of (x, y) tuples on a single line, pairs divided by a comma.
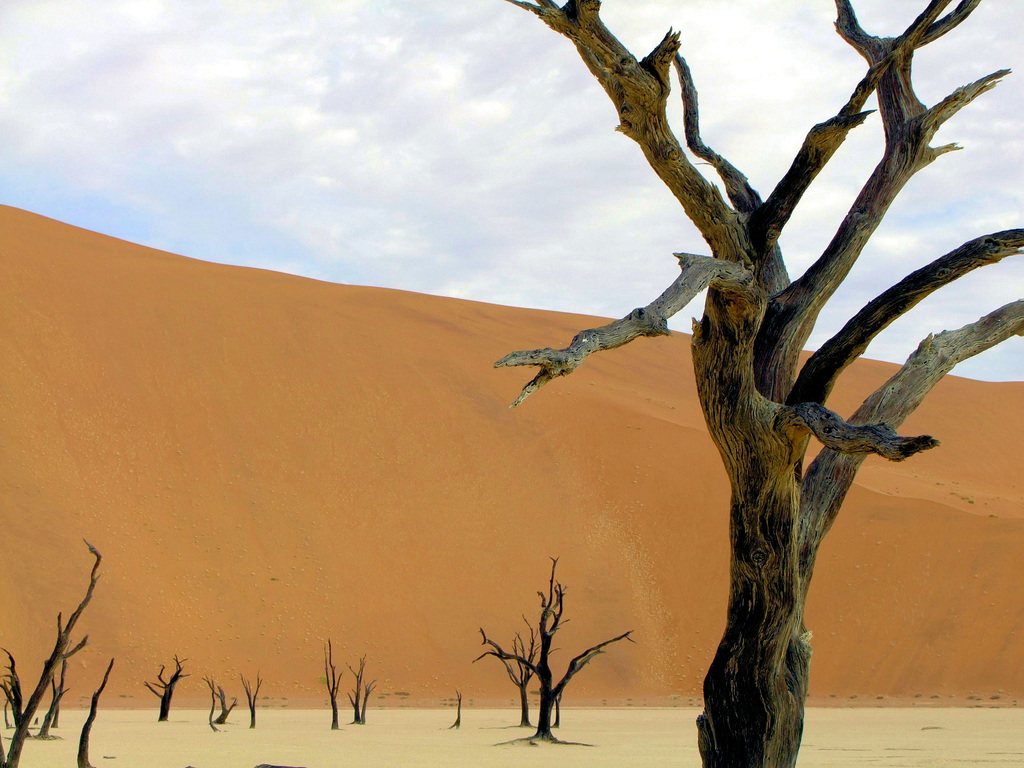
[(267, 461)]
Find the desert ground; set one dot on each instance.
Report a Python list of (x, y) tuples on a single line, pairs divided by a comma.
[(641, 737)]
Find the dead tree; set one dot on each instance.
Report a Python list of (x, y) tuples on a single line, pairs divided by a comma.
[(83, 741), (164, 689), (760, 403), (57, 691), (213, 708), (225, 708), (24, 711), (332, 678), (251, 692), (550, 621), (458, 715), (360, 693), (520, 673)]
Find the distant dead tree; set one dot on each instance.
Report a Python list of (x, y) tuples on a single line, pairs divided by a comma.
[(550, 622), (251, 692), (83, 741), (164, 689), (24, 711), (360, 694), (332, 678), (57, 691), (520, 673), (213, 707), (225, 708), (458, 716)]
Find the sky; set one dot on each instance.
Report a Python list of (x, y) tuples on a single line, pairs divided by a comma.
[(461, 148)]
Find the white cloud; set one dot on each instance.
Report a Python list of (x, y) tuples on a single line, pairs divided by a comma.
[(463, 149)]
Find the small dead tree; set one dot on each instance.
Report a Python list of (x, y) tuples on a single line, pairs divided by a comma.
[(213, 708), (225, 708), (332, 678), (24, 711), (552, 605), (83, 741), (57, 691), (519, 673), (164, 689), (360, 693), (251, 692), (458, 715)]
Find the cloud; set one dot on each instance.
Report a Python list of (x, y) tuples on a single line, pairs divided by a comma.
[(464, 150)]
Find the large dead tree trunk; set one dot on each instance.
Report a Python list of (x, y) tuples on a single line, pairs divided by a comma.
[(24, 711), (83, 741), (251, 694), (550, 621), (760, 405), (164, 689)]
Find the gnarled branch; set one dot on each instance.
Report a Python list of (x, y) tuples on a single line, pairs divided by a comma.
[(580, 661), (949, 22), (698, 272), (830, 475), (820, 372), (743, 197), (843, 437), (639, 91), (791, 315)]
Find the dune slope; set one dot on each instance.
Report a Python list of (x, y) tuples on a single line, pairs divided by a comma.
[(267, 461)]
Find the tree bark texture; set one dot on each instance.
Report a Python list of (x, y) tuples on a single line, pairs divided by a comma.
[(761, 407)]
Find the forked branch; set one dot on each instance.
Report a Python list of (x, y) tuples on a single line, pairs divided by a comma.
[(585, 658), (830, 475), (639, 92), (821, 371)]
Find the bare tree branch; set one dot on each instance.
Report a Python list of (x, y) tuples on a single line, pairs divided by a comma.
[(500, 653), (843, 437), (821, 371), (639, 91), (850, 29), (698, 272), (949, 22), (791, 315), (580, 661), (742, 196), (830, 475)]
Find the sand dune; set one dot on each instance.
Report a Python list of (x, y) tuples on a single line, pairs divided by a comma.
[(267, 461)]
